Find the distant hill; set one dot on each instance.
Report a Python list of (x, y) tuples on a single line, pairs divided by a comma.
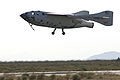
[(105, 56)]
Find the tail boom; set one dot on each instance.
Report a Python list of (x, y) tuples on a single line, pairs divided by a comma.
[(105, 18)]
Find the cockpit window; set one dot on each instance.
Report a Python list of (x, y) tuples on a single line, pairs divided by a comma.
[(33, 13)]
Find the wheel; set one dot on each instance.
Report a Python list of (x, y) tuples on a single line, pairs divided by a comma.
[(63, 33), (92, 25), (53, 33)]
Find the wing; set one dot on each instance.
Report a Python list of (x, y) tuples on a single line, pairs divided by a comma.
[(63, 15), (70, 16), (61, 20)]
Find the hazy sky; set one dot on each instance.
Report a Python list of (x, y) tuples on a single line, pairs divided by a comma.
[(19, 42)]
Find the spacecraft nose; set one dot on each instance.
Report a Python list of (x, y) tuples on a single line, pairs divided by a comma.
[(23, 16)]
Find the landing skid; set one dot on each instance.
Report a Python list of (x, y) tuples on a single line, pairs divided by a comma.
[(31, 26)]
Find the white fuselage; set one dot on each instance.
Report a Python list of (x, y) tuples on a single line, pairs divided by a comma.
[(56, 21)]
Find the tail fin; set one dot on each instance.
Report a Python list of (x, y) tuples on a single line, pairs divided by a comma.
[(105, 18)]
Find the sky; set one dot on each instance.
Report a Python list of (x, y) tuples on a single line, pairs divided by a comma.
[(18, 42)]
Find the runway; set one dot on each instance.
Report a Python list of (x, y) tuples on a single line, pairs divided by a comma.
[(63, 72)]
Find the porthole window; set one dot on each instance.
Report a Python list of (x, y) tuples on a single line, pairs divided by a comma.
[(41, 20), (54, 25), (43, 13), (47, 22), (37, 13)]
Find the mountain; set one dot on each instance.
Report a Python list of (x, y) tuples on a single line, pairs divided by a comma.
[(105, 56)]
